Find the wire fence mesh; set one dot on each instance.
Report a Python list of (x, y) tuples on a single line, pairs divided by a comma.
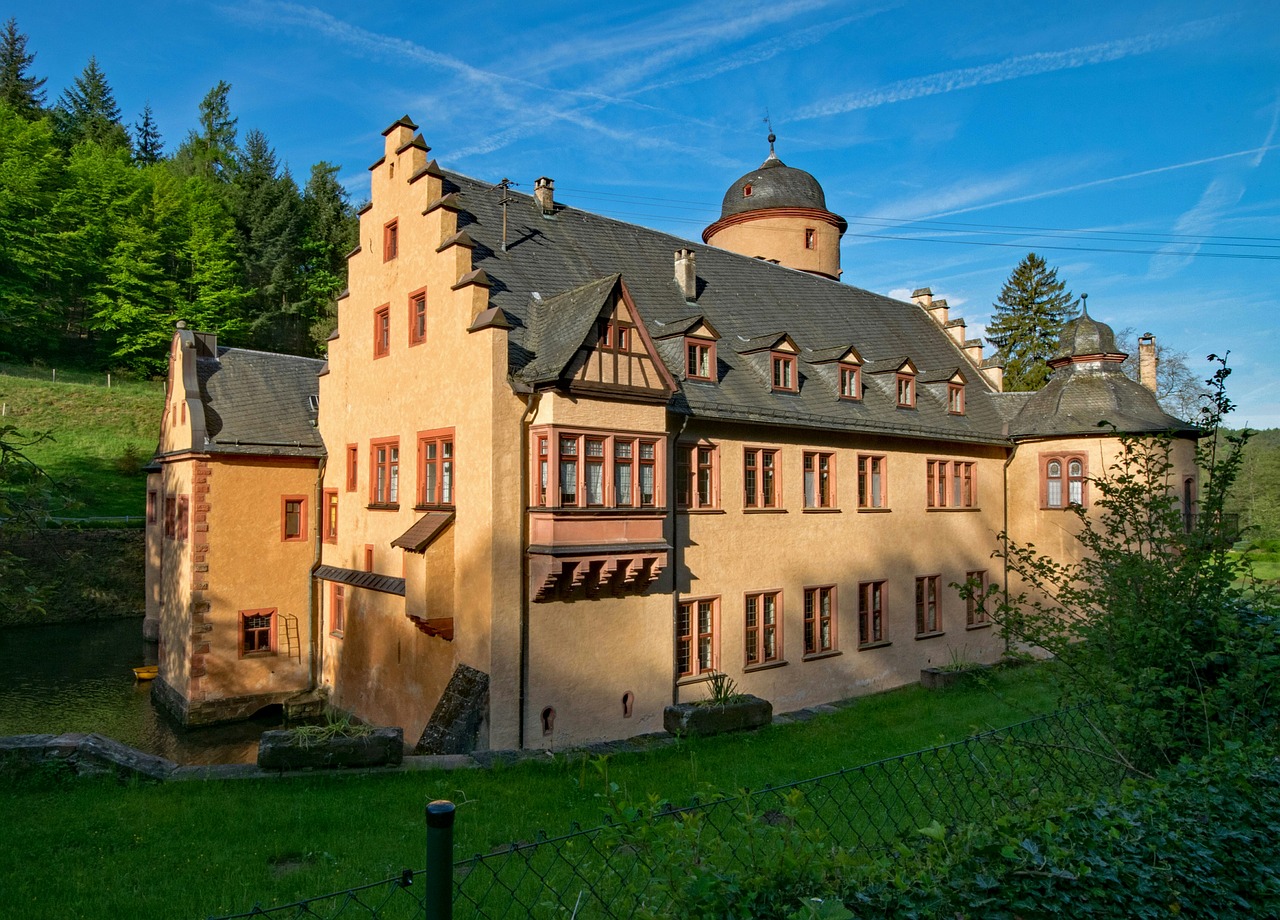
[(618, 869)]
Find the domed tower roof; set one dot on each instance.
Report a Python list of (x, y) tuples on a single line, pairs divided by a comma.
[(1089, 388), (1082, 336), (773, 184), (779, 214)]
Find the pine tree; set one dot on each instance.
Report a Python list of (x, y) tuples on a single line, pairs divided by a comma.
[(87, 111), (330, 230), (211, 150), (148, 146), (1028, 318), (18, 89)]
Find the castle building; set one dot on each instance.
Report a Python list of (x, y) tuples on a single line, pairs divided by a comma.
[(559, 469)]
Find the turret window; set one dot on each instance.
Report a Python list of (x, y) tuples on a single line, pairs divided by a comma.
[(746, 191), (810, 238), (1064, 481)]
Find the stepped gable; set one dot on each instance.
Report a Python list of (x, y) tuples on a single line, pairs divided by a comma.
[(1090, 391), (741, 297), (257, 402)]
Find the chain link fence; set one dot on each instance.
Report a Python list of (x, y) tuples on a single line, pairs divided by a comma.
[(618, 869)]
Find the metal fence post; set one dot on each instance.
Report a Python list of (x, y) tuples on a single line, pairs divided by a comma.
[(439, 874)]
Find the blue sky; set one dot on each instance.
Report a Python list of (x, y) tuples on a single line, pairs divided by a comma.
[(1133, 145)]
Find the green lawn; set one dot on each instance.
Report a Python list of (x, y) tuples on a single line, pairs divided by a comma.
[(99, 849), (99, 436)]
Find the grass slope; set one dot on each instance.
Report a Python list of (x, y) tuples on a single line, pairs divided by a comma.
[(99, 849), (92, 429)]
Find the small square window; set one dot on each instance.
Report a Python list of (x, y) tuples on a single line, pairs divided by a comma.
[(906, 391), (382, 332), (417, 318), (784, 372), (390, 240), (257, 632)]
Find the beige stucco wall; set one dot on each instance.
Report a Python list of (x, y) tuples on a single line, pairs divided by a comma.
[(454, 379), (780, 236), (731, 552), (1053, 530)]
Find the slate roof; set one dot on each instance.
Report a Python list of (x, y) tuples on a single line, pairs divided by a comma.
[(1084, 396), (257, 402), (576, 255), (773, 185)]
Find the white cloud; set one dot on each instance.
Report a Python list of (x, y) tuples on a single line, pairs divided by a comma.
[(1015, 68)]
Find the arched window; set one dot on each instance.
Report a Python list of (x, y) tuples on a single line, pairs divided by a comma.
[(548, 720), (1064, 481)]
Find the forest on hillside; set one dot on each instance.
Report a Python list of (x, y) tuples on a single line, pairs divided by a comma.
[(109, 236)]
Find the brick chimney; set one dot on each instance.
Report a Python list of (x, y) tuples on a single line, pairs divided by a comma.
[(544, 193), (686, 273), (1147, 361)]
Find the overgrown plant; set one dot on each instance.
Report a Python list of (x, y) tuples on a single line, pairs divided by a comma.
[(721, 689), (1154, 622)]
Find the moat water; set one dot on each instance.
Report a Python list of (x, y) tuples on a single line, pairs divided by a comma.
[(78, 677)]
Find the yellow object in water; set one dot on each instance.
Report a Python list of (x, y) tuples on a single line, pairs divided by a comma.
[(147, 672)]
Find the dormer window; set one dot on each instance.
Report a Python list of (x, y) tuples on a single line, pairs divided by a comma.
[(612, 335), (955, 398), (784, 372), (700, 358), (906, 391), (850, 381)]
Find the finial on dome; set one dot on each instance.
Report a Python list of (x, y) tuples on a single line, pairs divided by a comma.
[(772, 137), (1084, 304)]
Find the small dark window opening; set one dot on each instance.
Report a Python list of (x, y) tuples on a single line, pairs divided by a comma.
[(548, 720), (628, 700), (746, 191)]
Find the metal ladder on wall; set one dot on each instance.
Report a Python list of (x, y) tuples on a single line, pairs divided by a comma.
[(292, 642)]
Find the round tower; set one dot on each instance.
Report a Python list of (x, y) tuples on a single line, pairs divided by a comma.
[(779, 214)]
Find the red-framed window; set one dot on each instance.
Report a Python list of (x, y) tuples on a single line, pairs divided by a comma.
[(353, 466), (699, 359), (906, 391), (955, 398), (784, 372), (762, 624), (810, 238), (368, 557), (819, 479), (182, 525), (597, 469), (330, 530), (761, 485), (257, 632), (153, 506), (418, 317), (850, 381), (614, 335), (382, 331), (1064, 481), (170, 516), (435, 467), (293, 518), (697, 636), (975, 611), (337, 609), (390, 240), (697, 476), (873, 482), (384, 471), (928, 619), (951, 484), (871, 612), (820, 620)]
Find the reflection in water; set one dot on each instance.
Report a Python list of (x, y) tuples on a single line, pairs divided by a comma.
[(78, 677)]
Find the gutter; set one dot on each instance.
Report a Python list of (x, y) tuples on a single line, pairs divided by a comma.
[(676, 560), (317, 640), (530, 405)]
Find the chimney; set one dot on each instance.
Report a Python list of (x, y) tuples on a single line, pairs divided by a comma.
[(922, 296), (686, 273), (939, 311), (1147, 361), (544, 193)]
